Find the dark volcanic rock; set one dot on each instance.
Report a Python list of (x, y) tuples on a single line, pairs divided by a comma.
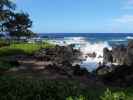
[(62, 58), (129, 57), (107, 55), (78, 71), (58, 54), (119, 54), (121, 76), (118, 75)]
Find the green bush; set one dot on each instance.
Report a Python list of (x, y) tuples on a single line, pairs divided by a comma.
[(20, 88), (33, 89), (76, 98), (108, 95)]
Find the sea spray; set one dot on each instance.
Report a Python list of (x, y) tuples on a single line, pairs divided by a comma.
[(92, 63), (86, 47)]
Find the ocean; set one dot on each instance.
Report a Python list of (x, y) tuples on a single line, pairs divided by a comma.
[(89, 43)]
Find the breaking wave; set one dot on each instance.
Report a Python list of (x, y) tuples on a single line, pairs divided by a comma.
[(129, 37), (117, 40), (92, 63)]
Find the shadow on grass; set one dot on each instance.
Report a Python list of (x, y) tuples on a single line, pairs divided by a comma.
[(10, 52)]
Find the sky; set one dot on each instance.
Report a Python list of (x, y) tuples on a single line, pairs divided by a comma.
[(79, 16)]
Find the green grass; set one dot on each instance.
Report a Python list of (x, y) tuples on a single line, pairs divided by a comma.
[(20, 48), (3, 43), (23, 48), (32, 89)]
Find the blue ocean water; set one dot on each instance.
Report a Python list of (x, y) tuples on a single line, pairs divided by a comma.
[(111, 38)]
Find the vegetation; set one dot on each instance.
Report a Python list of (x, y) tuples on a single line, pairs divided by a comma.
[(6, 10), (15, 88), (31, 89), (23, 48), (16, 23), (6, 64), (3, 43), (108, 95), (77, 98)]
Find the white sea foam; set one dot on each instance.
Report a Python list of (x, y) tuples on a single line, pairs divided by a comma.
[(129, 37), (85, 47), (92, 63), (118, 40), (69, 40)]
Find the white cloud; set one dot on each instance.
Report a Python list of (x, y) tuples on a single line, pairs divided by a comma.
[(125, 19)]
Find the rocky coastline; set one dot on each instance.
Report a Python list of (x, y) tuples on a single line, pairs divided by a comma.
[(120, 71), (57, 63), (122, 55), (51, 63)]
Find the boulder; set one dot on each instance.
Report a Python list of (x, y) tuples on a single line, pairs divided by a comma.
[(107, 55), (129, 55), (78, 71), (40, 54), (121, 76), (119, 54), (58, 54)]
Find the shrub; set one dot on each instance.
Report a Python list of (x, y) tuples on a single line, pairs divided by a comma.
[(3, 43), (108, 95), (76, 98), (20, 88)]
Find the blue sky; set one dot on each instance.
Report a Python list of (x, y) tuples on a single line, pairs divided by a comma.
[(79, 15)]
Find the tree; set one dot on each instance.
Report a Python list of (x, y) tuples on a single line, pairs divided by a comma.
[(7, 4), (6, 11), (19, 25)]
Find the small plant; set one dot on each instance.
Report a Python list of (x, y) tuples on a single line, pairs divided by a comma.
[(76, 98), (108, 95)]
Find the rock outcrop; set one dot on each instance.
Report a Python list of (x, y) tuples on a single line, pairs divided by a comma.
[(122, 55), (62, 58), (58, 54), (107, 55), (121, 74), (129, 54)]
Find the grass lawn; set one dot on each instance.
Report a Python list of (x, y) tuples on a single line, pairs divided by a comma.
[(23, 48)]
